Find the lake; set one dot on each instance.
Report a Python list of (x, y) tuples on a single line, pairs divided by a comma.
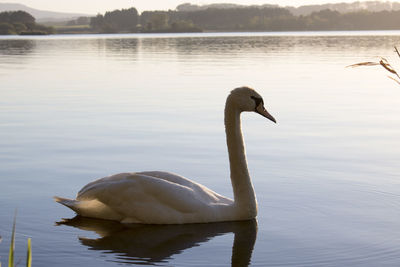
[(327, 178)]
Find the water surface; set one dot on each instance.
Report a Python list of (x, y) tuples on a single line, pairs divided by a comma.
[(76, 108)]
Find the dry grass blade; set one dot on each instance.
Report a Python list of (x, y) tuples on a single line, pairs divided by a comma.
[(397, 51), (384, 63), (394, 79), (369, 63)]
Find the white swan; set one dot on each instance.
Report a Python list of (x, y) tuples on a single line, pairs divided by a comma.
[(165, 198)]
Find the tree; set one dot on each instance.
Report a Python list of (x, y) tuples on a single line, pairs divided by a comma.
[(20, 27), (20, 22), (97, 22), (6, 28), (82, 21), (124, 20), (21, 16), (184, 26), (156, 20)]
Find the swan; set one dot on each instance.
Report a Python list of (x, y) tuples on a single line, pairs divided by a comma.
[(155, 197)]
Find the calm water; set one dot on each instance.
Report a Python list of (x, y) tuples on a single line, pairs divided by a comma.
[(327, 178)]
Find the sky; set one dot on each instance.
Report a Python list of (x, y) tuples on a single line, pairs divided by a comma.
[(101, 6)]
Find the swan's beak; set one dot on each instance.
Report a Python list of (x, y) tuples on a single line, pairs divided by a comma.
[(262, 111)]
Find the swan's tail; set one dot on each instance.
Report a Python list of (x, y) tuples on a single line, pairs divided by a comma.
[(70, 203), (90, 208)]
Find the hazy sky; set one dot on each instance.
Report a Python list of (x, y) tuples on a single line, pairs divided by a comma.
[(100, 6)]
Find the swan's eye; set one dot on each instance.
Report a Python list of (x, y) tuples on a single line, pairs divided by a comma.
[(257, 100)]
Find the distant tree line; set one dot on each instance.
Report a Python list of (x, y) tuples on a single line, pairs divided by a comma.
[(79, 21), (20, 22), (125, 20), (328, 20), (242, 19), (210, 19), (236, 19)]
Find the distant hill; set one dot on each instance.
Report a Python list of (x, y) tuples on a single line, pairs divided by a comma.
[(40, 15), (191, 7), (373, 6)]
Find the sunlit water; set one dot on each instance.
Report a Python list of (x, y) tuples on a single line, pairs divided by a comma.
[(75, 108)]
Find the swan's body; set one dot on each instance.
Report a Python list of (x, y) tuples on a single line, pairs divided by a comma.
[(166, 198)]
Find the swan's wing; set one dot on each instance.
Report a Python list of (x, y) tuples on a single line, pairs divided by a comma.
[(154, 178), (151, 196), (101, 182), (201, 191), (167, 176)]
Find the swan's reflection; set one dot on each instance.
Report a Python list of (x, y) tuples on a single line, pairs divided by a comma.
[(152, 244)]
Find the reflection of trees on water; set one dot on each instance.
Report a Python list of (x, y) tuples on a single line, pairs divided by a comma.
[(265, 44), (152, 244), (121, 46), (129, 45), (124, 47), (113, 46), (16, 47)]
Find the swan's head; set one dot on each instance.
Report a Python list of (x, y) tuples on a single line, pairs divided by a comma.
[(247, 99)]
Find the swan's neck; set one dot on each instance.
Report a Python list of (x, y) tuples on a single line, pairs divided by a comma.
[(245, 199)]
